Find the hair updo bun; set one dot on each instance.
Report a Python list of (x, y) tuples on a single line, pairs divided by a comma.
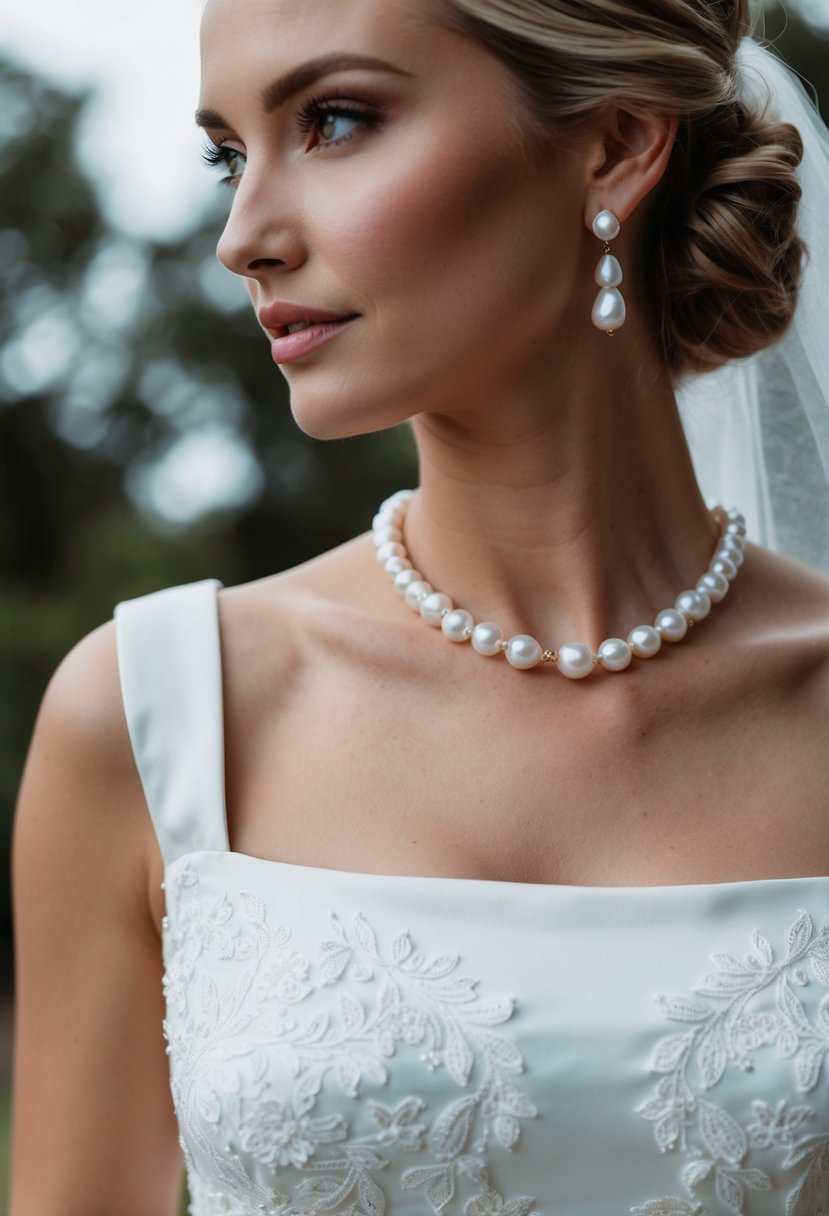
[(721, 256), (724, 254)]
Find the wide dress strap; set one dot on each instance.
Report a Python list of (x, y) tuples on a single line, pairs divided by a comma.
[(169, 658)]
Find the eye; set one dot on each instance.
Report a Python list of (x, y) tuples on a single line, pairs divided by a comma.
[(216, 155), (336, 120)]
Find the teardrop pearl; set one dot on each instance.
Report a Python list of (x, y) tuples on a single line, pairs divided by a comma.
[(608, 274), (609, 310)]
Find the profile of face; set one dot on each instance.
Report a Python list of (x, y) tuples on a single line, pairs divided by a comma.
[(381, 173)]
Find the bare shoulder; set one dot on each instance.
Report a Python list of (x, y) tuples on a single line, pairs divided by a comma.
[(80, 787), (786, 611), (273, 628), (779, 614)]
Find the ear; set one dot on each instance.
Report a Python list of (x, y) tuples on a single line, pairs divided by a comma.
[(629, 153)]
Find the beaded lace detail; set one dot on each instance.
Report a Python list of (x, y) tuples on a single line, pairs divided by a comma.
[(253, 1056), (747, 1005)]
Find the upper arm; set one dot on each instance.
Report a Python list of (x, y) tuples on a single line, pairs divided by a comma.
[(94, 1128)]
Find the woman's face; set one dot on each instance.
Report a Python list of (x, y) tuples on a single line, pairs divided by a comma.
[(380, 173)]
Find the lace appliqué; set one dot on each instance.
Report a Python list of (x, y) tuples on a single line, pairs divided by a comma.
[(748, 1004), (225, 1040)]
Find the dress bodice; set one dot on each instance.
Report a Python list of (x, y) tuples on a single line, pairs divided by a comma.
[(365, 1044)]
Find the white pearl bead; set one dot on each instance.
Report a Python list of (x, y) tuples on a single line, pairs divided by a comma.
[(417, 591), (715, 586), (722, 564), (395, 564), (605, 226), (390, 549), (672, 625), (614, 654), (456, 625), (404, 578), (523, 651), (383, 519), (575, 660), (608, 271), (735, 515), (735, 528), (734, 553), (433, 605), (397, 501), (609, 310), (486, 638), (694, 604), (382, 535), (645, 641)]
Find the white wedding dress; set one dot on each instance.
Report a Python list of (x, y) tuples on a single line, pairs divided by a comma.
[(363, 1044)]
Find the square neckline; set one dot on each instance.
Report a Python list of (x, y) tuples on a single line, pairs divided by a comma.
[(331, 873)]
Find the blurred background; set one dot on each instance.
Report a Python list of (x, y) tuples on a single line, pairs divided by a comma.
[(145, 435)]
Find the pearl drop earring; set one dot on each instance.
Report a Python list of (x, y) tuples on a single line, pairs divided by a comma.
[(609, 310)]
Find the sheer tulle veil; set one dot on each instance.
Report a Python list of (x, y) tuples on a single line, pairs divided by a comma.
[(758, 428)]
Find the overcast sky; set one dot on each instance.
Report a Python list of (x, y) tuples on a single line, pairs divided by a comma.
[(142, 57)]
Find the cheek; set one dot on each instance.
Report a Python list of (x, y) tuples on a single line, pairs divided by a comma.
[(455, 213)]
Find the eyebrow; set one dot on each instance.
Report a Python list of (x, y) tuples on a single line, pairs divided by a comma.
[(279, 91)]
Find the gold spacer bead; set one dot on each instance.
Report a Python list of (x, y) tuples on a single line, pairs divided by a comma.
[(549, 656)]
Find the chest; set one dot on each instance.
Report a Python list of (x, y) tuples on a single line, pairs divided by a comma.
[(527, 777)]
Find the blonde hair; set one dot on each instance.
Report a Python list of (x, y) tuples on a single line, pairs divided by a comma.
[(720, 258)]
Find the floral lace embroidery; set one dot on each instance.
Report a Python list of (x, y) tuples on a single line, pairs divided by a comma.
[(747, 1004), (223, 1039)]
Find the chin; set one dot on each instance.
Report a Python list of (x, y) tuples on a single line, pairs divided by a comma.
[(338, 407)]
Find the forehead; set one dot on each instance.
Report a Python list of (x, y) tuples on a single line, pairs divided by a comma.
[(277, 33)]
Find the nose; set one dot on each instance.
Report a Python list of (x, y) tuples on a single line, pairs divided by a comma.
[(261, 234)]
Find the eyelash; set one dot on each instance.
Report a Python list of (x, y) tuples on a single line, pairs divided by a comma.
[(310, 114)]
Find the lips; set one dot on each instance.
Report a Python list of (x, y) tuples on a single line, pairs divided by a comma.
[(280, 319)]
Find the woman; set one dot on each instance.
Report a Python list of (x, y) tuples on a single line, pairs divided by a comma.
[(415, 903)]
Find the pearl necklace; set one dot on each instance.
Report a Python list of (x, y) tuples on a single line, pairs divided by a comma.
[(573, 659)]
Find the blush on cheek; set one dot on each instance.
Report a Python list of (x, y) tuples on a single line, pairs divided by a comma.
[(430, 202)]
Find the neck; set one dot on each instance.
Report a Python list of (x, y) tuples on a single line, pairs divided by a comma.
[(575, 521)]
